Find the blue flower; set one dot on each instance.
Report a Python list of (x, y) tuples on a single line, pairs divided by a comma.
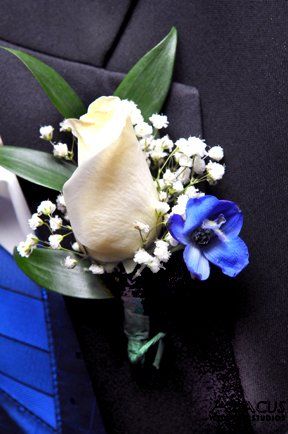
[(210, 234)]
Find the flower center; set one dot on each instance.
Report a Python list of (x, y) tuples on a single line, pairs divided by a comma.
[(208, 230), (202, 236)]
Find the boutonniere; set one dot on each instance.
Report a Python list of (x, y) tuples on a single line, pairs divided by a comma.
[(129, 195)]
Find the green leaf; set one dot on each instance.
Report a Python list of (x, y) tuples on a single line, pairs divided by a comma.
[(148, 82), (46, 268), (62, 96), (36, 166)]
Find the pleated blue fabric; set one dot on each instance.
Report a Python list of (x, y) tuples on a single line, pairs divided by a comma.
[(44, 387)]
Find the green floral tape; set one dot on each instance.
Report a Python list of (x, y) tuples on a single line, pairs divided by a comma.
[(136, 328)]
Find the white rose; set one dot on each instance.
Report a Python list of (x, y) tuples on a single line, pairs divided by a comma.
[(112, 187)]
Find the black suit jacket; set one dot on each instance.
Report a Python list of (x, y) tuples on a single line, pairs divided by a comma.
[(225, 365)]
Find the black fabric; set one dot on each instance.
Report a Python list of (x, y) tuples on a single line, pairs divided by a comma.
[(197, 389), (76, 30), (235, 53)]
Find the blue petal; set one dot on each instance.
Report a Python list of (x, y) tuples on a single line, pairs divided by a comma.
[(233, 217), (231, 256), (176, 226), (196, 263), (197, 210)]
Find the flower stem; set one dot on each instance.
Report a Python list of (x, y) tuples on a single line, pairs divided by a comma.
[(166, 162)]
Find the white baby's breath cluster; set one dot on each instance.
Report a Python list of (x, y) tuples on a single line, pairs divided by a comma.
[(178, 168), (25, 248), (46, 132), (60, 150), (46, 217)]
